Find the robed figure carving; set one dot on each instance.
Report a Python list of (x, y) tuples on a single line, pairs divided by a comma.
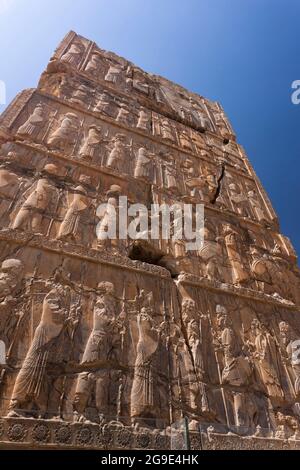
[(143, 407), (32, 386), (100, 352)]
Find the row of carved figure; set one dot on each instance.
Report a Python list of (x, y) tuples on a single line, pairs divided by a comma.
[(64, 131), (134, 116), (72, 215), (257, 372), (191, 178), (188, 108)]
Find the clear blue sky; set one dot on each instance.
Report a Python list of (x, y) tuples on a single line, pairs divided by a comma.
[(243, 53)]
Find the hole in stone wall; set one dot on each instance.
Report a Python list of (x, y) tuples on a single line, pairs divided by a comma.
[(141, 250)]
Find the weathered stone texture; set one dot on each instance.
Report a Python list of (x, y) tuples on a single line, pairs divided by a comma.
[(111, 346)]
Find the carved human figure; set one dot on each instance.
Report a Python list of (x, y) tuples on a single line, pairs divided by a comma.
[(205, 186), (117, 156), (142, 397), (10, 182), (30, 215), (103, 104), (11, 274), (109, 219), (180, 365), (80, 95), (271, 273), (91, 143), (144, 165), (166, 130), (95, 64), (234, 251), (66, 134), (169, 172), (101, 349), (34, 123), (113, 73), (223, 126), (291, 344), (237, 371), (211, 253), (185, 140), (260, 268), (144, 120), (198, 116), (140, 82), (179, 241), (256, 205), (73, 55), (267, 358), (33, 384), (76, 225), (192, 323), (123, 115), (238, 200), (198, 141)]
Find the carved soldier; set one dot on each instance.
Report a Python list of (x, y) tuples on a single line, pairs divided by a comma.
[(33, 384), (108, 224), (80, 95), (117, 156), (142, 397), (76, 225), (113, 73), (34, 123), (211, 253), (10, 184), (256, 206), (233, 246), (103, 104), (123, 115), (199, 117), (10, 280), (267, 358), (260, 268), (144, 165), (291, 345), (73, 55), (185, 140), (192, 324), (223, 126), (91, 143), (166, 130), (205, 185), (144, 120), (101, 349), (30, 215), (170, 173), (66, 133), (237, 371), (95, 64), (238, 200)]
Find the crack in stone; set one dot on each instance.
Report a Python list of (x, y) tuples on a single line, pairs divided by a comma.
[(218, 190)]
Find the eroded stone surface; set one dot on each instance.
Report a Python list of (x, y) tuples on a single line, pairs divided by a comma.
[(110, 345)]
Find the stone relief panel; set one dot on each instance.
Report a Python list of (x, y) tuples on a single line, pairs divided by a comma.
[(252, 356), (88, 349), (110, 343), (85, 349), (103, 66)]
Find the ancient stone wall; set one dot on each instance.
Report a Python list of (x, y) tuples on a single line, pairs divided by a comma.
[(109, 345)]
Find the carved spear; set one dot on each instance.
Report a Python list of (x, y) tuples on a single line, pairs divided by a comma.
[(219, 374), (166, 321), (122, 333)]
